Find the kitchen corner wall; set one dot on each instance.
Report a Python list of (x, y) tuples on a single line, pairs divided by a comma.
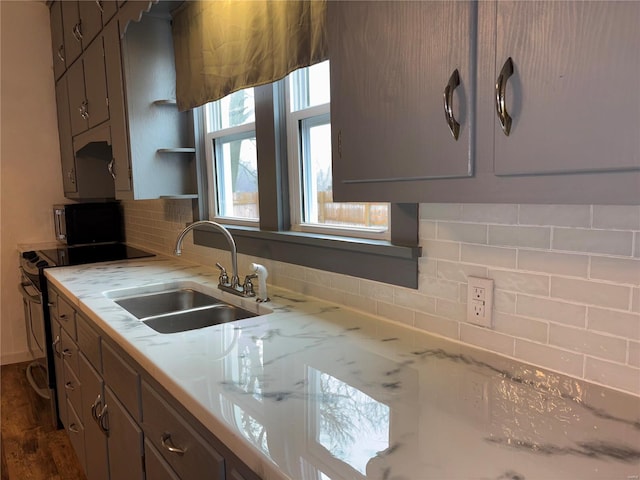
[(567, 280)]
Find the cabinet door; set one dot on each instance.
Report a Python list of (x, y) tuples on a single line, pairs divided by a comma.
[(95, 438), (96, 84), (573, 95), (75, 430), (115, 89), (390, 65), (72, 31), (124, 441), (67, 157), (78, 103), (90, 20), (57, 39)]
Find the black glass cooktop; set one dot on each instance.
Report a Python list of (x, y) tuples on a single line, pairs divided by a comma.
[(81, 254)]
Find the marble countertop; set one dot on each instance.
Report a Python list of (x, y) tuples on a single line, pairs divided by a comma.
[(316, 391)]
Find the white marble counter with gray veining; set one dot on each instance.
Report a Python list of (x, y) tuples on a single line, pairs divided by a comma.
[(317, 391)]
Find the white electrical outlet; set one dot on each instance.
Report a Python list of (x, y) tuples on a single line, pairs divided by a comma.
[(480, 301)]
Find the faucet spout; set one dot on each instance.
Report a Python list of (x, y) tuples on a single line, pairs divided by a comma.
[(227, 235)]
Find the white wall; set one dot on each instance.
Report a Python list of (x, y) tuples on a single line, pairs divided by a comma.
[(567, 280), (30, 178)]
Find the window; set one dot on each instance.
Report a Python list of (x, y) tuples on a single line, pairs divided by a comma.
[(309, 156), (268, 178), (232, 158)]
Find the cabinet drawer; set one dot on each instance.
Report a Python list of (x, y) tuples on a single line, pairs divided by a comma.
[(69, 351), (65, 314), (155, 465), (89, 342), (73, 388), (163, 424), (123, 380), (75, 430)]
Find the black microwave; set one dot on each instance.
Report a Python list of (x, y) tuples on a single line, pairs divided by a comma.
[(87, 223)]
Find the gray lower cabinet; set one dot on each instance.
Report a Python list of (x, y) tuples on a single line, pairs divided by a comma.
[(538, 122), (120, 425)]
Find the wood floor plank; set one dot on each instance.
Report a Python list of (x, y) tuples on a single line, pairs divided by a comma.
[(31, 447)]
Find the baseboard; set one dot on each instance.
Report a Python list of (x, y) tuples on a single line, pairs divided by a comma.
[(17, 357)]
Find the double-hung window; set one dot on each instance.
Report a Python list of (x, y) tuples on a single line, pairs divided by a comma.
[(279, 150)]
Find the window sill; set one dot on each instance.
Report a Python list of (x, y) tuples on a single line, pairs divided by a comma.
[(371, 259)]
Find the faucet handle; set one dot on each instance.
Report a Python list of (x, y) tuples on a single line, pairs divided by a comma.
[(223, 279), (247, 287)]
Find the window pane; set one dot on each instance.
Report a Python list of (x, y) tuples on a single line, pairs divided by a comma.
[(319, 207), (309, 86), (237, 177), (235, 109)]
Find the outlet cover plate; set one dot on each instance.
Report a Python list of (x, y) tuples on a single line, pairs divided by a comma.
[(480, 301)]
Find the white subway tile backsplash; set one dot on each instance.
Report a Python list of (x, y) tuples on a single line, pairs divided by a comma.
[(621, 324), (613, 242), (585, 341), (514, 281), (560, 305), (490, 213), (590, 293), (441, 250), (438, 325), (619, 270), (486, 338), (520, 327), (462, 232), (619, 217), (458, 272), (634, 354), (489, 256), (551, 310), (517, 236), (550, 357), (612, 374), (560, 215), (570, 264)]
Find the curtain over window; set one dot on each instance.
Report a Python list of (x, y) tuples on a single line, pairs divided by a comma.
[(222, 46)]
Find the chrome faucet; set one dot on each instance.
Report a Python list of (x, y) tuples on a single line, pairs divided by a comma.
[(225, 283)]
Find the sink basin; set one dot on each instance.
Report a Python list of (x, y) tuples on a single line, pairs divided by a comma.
[(177, 308), (196, 318), (152, 304)]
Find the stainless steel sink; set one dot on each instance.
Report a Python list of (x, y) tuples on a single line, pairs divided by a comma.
[(181, 309), (152, 304), (196, 318)]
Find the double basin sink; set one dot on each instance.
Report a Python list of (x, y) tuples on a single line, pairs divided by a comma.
[(178, 309)]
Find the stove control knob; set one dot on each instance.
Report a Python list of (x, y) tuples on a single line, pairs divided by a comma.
[(30, 255)]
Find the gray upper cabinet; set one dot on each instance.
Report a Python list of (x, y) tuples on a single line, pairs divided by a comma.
[(391, 63), (573, 95), (72, 31), (57, 39), (560, 77)]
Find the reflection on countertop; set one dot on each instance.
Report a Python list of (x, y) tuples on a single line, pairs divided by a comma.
[(317, 391)]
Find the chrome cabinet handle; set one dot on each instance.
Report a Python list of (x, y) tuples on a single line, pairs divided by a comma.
[(103, 420), (165, 439), (84, 110), (110, 166), (60, 53), (63, 316), (69, 386), (55, 344), (454, 82), (66, 352), (74, 428), (94, 409), (501, 87), (77, 31)]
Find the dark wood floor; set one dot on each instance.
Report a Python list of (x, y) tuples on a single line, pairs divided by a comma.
[(31, 448)]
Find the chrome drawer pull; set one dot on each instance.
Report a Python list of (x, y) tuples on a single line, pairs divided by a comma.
[(454, 82), (166, 443), (74, 428), (55, 344), (103, 416), (69, 386), (501, 88), (66, 352), (94, 409)]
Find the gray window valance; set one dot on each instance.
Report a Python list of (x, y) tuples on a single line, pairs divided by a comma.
[(222, 46)]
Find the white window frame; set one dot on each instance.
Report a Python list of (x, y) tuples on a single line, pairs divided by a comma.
[(295, 147), (212, 149)]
